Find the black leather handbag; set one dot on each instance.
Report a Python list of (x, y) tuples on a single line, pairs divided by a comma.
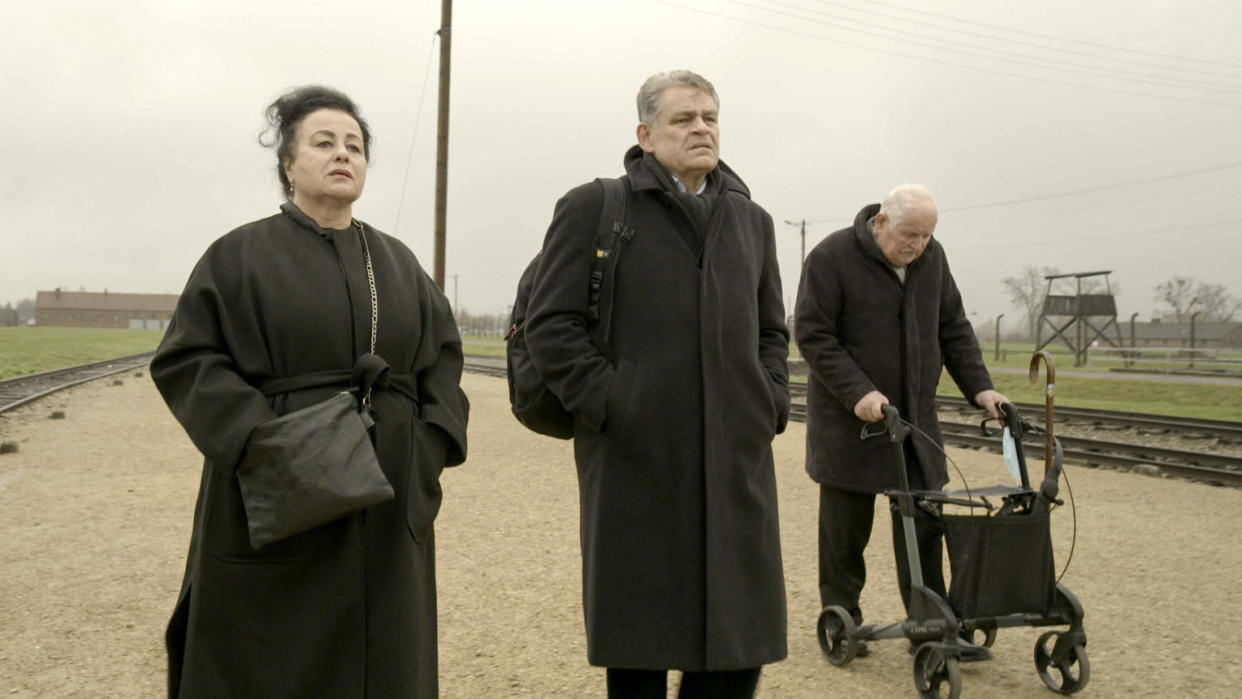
[(318, 464), (308, 468)]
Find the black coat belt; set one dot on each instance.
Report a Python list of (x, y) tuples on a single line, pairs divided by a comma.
[(370, 372)]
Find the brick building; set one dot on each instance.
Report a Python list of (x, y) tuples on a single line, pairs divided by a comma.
[(1213, 334), (90, 309)]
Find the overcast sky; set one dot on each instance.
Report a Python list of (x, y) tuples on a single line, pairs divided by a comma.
[(130, 127)]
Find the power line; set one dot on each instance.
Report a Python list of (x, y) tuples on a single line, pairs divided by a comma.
[(418, 117), (1112, 73), (1009, 39), (1124, 202), (1078, 67), (818, 37), (1043, 36), (1100, 188), (1086, 190), (1111, 236)]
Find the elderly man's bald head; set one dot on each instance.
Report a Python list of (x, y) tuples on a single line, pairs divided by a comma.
[(909, 199), (905, 224)]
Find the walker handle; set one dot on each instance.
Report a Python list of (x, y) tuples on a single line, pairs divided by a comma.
[(892, 426)]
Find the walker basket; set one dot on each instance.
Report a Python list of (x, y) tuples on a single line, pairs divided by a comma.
[(1000, 565)]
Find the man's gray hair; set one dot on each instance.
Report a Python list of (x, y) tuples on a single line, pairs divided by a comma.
[(649, 93)]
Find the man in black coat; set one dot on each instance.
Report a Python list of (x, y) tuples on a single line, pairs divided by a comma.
[(676, 410), (877, 317)]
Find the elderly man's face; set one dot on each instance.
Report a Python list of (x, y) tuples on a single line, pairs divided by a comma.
[(685, 137), (904, 239)]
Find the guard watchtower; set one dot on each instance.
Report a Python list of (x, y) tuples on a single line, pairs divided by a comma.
[(1089, 314)]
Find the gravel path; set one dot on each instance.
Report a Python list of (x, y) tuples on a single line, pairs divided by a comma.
[(95, 514)]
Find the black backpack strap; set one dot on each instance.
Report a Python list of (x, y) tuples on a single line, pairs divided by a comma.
[(611, 234)]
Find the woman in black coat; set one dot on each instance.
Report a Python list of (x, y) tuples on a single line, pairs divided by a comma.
[(272, 320)]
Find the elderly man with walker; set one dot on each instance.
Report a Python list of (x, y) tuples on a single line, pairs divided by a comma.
[(877, 317)]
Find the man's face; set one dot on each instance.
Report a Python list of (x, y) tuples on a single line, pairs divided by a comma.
[(685, 137), (904, 239)]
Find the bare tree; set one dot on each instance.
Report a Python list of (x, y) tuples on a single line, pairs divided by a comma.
[(1178, 295), (1215, 303), (25, 309), (482, 323), (1026, 291), (1182, 296)]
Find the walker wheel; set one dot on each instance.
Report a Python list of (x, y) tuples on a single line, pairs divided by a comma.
[(836, 635), (1071, 664), (932, 670), (989, 637)]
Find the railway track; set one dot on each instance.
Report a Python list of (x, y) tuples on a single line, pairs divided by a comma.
[(21, 390), (1145, 424), (1223, 430), (1210, 468), (1197, 465), (480, 365)]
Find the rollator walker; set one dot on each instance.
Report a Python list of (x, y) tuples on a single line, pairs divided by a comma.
[(1001, 576)]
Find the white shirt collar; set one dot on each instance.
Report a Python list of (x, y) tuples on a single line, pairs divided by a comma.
[(682, 187)]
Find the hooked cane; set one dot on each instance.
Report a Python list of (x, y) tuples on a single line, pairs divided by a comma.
[(1050, 391)]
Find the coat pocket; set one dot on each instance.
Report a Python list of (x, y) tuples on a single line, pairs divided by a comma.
[(307, 468), (428, 452), (780, 403), (620, 400), (226, 536)]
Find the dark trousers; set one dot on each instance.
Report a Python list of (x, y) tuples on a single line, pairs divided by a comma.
[(719, 684), (845, 527)]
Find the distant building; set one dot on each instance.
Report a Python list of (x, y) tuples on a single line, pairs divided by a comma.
[(90, 309), (1169, 334), (8, 317)]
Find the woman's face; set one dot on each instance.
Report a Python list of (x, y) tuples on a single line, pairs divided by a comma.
[(328, 160)]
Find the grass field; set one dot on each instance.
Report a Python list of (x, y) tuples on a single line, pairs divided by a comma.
[(487, 346), (1216, 402), (32, 350), (1018, 354)]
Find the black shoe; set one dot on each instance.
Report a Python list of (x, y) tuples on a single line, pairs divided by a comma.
[(860, 649)]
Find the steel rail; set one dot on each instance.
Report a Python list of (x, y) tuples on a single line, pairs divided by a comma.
[(1164, 423), (1209, 468), (1223, 429), (497, 370), (1091, 449), (1089, 456), (20, 390)]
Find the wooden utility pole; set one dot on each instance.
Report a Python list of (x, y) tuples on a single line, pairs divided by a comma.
[(442, 136), (802, 224)]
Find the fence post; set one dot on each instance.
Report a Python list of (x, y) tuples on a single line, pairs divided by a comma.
[(1192, 338), (996, 355)]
